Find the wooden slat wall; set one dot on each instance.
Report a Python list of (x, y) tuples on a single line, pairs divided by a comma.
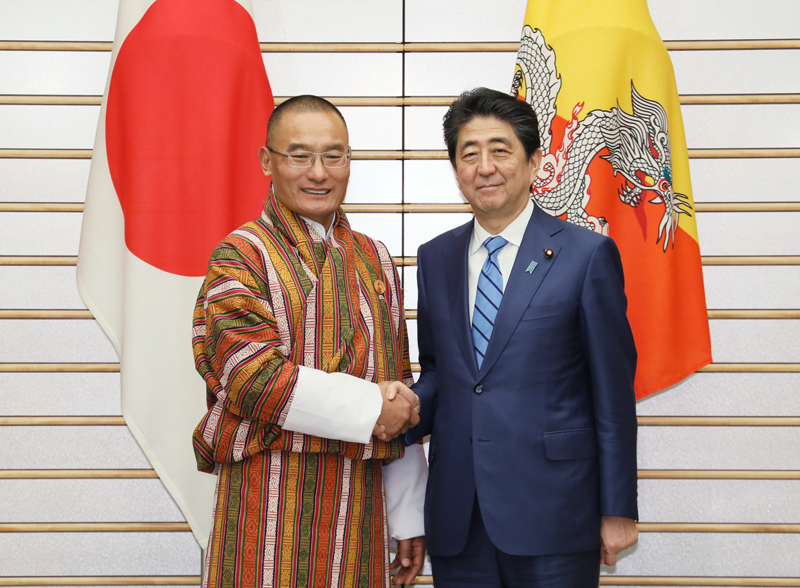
[(769, 383)]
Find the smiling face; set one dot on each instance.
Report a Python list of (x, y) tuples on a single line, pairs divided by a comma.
[(493, 171), (314, 192)]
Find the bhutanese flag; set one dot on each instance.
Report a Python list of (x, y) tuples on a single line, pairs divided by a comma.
[(175, 168), (602, 85)]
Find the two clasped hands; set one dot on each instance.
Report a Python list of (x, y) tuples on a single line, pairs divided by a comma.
[(400, 412)]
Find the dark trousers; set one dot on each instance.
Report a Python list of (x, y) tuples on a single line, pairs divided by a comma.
[(482, 565)]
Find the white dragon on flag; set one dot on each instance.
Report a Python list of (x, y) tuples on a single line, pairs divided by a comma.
[(638, 146)]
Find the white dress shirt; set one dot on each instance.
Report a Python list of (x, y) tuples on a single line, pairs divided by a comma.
[(513, 233), (344, 407)]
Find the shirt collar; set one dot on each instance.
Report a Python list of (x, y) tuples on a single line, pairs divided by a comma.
[(513, 233), (319, 228)]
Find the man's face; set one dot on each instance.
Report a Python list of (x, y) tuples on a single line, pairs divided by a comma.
[(492, 170), (313, 192)]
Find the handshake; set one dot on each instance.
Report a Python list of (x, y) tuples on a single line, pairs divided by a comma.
[(400, 410)]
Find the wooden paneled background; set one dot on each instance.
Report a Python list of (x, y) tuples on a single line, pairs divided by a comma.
[(719, 454)]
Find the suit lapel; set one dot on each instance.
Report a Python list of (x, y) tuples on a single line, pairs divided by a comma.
[(522, 285), (459, 301)]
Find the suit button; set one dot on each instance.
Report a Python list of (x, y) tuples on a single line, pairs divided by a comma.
[(478, 389)]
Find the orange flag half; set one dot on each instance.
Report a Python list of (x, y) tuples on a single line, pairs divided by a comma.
[(603, 88)]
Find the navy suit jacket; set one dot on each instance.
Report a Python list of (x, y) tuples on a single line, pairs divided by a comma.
[(545, 431)]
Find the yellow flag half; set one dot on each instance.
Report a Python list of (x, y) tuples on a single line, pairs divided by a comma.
[(602, 85)]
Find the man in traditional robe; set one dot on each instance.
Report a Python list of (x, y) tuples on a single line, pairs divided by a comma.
[(300, 335)]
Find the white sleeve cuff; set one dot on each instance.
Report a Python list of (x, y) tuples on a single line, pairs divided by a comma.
[(404, 484), (334, 406)]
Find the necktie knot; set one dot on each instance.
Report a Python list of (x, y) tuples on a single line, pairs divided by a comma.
[(494, 244)]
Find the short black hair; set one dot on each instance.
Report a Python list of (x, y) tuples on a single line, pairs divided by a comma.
[(483, 102), (303, 103)]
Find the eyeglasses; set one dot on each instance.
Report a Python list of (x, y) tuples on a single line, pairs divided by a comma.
[(306, 158)]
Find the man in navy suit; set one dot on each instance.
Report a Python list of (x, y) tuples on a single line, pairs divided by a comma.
[(528, 364)]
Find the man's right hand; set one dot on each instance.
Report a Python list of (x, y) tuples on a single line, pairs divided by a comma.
[(400, 410)]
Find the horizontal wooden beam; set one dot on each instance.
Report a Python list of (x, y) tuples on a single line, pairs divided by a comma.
[(143, 527), (416, 155), (49, 260), (77, 474), (180, 527), (693, 99), (615, 580), (719, 474), (59, 367), (410, 314), (470, 47), (45, 314), (605, 580), (127, 474), (424, 208), (774, 368), (644, 421), (99, 580)]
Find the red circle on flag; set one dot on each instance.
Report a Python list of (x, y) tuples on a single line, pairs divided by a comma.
[(187, 111)]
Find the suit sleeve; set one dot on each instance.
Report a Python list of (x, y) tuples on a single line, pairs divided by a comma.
[(425, 387), (611, 354)]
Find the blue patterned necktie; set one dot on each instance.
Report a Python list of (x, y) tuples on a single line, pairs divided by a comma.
[(487, 298)]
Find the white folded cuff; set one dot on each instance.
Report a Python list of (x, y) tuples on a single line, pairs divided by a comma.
[(404, 484), (334, 406)]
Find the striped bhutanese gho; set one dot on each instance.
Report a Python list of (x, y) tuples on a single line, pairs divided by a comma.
[(293, 509)]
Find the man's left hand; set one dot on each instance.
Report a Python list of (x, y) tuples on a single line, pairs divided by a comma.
[(410, 557), (616, 534)]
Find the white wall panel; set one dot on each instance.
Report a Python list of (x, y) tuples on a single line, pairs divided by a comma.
[(722, 501), (413, 348), (54, 72), (62, 447), (58, 20), (722, 19), (712, 554), (471, 20), (737, 72), (55, 501), (48, 127), (36, 340), (410, 286), (719, 448), (321, 21), (335, 74), (770, 340), (718, 394), (374, 127), (99, 554), (758, 233), (39, 287), (422, 227), (387, 228), (767, 286), (431, 182), (742, 126), (423, 128), (38, 233), (744, 180), (43, 394), (43, 180), (449, 74), (375, 182)]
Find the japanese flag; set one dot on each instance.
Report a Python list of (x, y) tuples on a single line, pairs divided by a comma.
[(175, 168)]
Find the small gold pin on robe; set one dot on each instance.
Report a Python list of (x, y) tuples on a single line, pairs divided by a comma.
[(379, 286)]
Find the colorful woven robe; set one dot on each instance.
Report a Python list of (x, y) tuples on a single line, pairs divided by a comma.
[(293, 509)]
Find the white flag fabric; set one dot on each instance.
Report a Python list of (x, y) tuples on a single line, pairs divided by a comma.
[(174, 169)]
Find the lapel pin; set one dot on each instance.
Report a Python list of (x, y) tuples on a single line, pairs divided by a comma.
[(548, 253), (531, 267), (379, 286)]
